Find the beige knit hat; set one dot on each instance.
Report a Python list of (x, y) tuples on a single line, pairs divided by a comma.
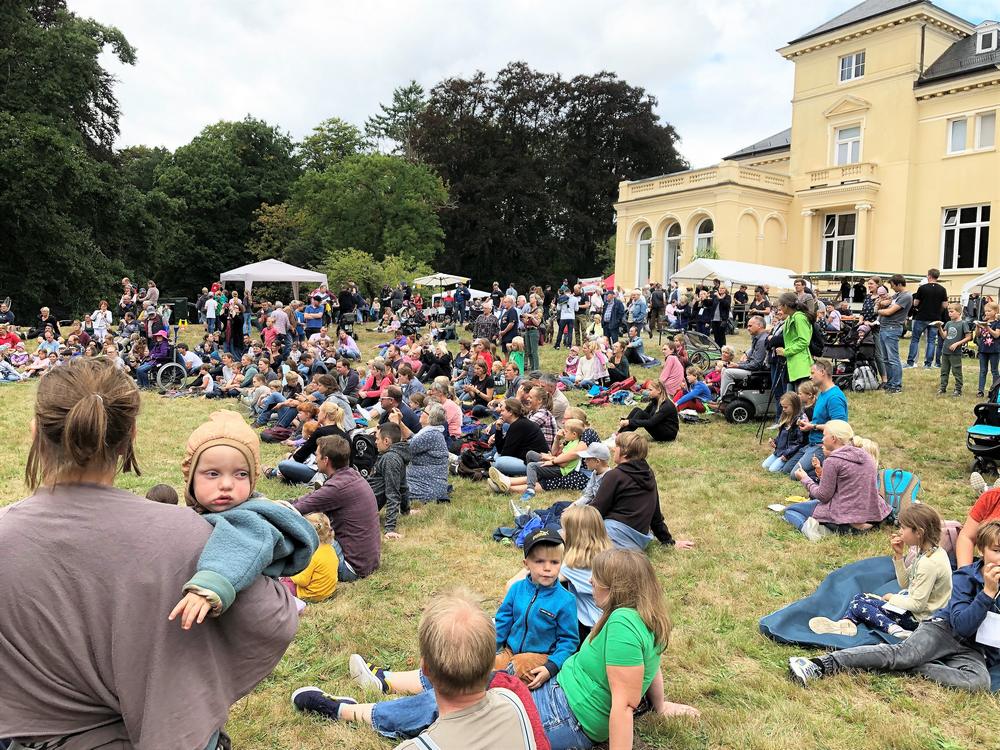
[(222, 428)]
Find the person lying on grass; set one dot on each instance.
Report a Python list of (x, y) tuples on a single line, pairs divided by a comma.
[(925, 582), (252, 536), (956, 647)]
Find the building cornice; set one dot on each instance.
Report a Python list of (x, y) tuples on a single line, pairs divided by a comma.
[(958, 85), (945, 22)]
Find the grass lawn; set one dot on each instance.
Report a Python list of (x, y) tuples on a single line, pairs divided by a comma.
[(747, 563)]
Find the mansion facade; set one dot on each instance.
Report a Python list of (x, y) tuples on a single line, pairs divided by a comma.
[(890, 164)]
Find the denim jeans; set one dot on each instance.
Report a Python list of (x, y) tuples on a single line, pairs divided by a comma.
[(565, 332), (286, 415), (560, 725), (991, 361), (775, 464), (531, 361), (797, 513), (804, 456), (295, 472), (406, 717), (210, 325), (142, 372), (345, 573), (889, 341), (919, 326), (932, 652), (512, 466), (272, 402)]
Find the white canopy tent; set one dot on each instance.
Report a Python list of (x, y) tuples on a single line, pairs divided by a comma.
[(440, 280), (735, 272), (988, 283), (473, 293), (274, 270)]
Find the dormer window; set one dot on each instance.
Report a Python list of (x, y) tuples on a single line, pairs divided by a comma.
[(987, 40), (852, 66)]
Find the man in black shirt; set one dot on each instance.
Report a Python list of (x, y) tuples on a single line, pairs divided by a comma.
[(928, 301)]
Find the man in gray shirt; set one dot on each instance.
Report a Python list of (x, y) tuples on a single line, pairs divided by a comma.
[(753, 358), (893, 311)]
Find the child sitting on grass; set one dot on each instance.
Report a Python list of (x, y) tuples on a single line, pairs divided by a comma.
[(808, 392), (318, 581), (925, 582), (252, 536), (536, 627), (698, 392), (949, 648), (789, 439)]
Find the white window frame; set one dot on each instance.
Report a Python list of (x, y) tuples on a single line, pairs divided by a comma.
[(852, 67), (954, 223), (951, 141), (704, 240), (647, 245), (671, 251), (982, 46), (836, 238), (837, 143), (979, 145)]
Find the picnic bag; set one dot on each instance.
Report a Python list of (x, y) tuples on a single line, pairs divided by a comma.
[(899, 488)]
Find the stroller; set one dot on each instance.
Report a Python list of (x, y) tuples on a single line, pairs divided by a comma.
[(702, 350), (983, 437), (851, 349)]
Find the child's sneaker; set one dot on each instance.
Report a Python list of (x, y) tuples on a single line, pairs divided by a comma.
[(978, 483), (898, 631), (366, 674), (826, 626), (316, 701), (500, 479), (494, 487), (803, 670)]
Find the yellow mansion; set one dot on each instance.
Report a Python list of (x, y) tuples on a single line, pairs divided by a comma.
[(890, 164)]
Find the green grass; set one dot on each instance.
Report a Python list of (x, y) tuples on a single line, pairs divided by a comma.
[(747, 563)]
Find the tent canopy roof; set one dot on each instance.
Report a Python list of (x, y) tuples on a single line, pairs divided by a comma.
[(272, 270), (737, 272), (989, 280)]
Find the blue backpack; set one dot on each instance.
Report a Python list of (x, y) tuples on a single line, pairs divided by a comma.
[(899, 488)]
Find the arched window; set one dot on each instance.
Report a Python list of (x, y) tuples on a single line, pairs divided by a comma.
[(644, 257), (672, 251), (704, 235)]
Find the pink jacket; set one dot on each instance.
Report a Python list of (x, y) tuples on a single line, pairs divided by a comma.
[(672, 375), (847, 490)]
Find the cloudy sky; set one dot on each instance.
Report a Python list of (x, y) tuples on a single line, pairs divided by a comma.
[(711, 65)]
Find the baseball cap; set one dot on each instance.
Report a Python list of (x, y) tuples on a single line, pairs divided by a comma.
[(596, 450), (542, 536)]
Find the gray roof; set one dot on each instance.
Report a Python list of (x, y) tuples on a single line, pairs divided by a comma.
[(960, 59), (860, 12), (777, 142)]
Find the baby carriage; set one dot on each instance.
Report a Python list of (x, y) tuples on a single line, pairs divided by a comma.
[(983, 438), (851, 349), (701, 349)]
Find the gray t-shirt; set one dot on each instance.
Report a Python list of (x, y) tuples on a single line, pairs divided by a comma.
[(954, 330), (904, 300)]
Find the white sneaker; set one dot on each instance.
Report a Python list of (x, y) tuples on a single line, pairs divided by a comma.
[(803, 671), (494, 487), (500, 479), (824, 626), (813, 530), (978, 483)]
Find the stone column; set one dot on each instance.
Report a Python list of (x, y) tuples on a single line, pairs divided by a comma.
[(861, 236), (807, 239)]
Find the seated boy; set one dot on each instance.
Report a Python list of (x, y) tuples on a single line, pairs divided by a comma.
[(388, 476), (955, 647)]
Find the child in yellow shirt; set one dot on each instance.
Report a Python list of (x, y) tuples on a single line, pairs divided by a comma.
[(319, 580)]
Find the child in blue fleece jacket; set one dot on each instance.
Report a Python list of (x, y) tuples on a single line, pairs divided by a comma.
[(956, 647), (536, 624), (252, 535)]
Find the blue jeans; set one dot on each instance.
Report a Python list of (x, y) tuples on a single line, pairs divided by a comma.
[(775, 464), (919, 326), (286, 415), (560, 725), (565, 332), (295, 472), (512, 466), (991, 361), (805, 457), (142, 372), (889, 341), (271, 403), (210, 325), (406, 717), (797, 513), (345, 573)]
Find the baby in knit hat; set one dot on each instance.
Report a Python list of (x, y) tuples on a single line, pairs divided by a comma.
[(252, 535)]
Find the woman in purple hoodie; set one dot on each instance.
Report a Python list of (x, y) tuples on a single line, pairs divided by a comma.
[(846, 499)]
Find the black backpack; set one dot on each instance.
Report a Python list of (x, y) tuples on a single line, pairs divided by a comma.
[(363, 453), (818, 340)]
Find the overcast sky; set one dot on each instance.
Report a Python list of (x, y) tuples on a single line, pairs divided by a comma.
[(711, 64)]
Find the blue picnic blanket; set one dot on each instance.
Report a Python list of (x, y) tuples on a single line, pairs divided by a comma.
[(874, 575)]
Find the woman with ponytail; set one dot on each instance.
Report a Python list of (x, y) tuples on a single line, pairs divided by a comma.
[(797, 332), (89, 572)]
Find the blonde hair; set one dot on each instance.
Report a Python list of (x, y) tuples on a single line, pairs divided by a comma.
[(85, 418), (992, 306), (790, 398), (584, 534), (988, 535), (321, 523), (631, 582), (577, 414), (868, 446), (632, 445), (808, 388), (839, 430), (573, 425), (457, 644), (331, 411)]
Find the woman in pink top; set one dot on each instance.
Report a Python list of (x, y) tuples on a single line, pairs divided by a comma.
[(672, 374)]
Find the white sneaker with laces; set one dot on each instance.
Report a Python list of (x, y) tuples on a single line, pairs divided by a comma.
[(803, 671)]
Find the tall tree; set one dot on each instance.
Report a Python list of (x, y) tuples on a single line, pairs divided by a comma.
[(532, 163), (215, 184), (331, 141), (397, 122)]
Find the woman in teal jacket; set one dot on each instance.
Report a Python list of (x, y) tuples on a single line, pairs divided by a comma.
[(797, 335)]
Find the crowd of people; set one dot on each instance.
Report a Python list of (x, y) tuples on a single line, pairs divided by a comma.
[(572, 655)]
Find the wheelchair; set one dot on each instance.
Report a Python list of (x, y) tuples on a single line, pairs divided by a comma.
[(748, 398)]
